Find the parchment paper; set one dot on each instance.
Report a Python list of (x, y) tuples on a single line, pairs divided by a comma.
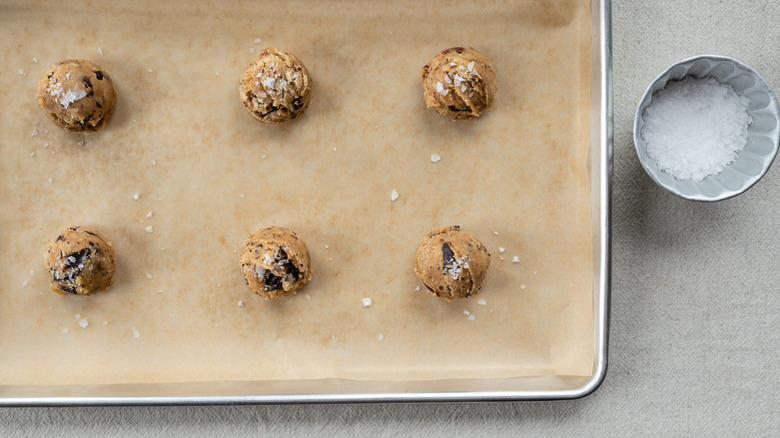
[(516, 178)]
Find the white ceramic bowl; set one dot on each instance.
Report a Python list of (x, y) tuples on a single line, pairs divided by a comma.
[(763, 134)]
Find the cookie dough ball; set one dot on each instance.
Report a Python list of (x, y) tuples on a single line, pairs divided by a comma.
[(459, 83), (80, 261), (276, 87), (275, 262), (77, 95), (452, 263)]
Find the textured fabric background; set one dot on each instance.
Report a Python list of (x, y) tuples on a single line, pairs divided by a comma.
[(695, 299)]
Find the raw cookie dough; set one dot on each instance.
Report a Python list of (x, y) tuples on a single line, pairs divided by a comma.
[(275, 262), (276, 87), (80, 262), (452, 263), (460, 83), (77, 95)]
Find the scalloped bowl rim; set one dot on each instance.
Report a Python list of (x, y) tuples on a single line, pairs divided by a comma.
[(651, 167)]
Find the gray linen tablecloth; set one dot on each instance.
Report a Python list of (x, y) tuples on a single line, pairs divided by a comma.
[(695, 300)]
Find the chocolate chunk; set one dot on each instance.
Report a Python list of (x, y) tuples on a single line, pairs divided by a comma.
[(99, 75), (273, 109), (454, 108), (81, 257), (297, 103), (271, 281), (86, 82), (292, 273), (98, 105), (60, 238), (448, 257), (67, 288)]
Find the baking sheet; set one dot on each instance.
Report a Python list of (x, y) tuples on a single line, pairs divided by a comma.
[(516, 178)]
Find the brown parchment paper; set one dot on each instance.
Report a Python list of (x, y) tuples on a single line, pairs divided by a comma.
[(516, 178)]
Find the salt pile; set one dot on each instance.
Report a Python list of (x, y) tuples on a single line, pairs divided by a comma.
[(695, 127)]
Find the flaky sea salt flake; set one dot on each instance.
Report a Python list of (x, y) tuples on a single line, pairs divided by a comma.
[(440, 88), (482, 302), (435, 158), (240, 303), (34, 132), (136, 333), (83, 323), (366, 302), (149, 229), (100, 51), (71, 96), (393, 195), (515, 259)]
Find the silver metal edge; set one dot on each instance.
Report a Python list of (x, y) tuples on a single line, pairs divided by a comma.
[(605, 207), (601, 329)]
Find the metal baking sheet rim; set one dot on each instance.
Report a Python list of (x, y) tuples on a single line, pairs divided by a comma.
[(345, 391)]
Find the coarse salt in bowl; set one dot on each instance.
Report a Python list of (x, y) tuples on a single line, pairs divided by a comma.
[(763, 132)]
